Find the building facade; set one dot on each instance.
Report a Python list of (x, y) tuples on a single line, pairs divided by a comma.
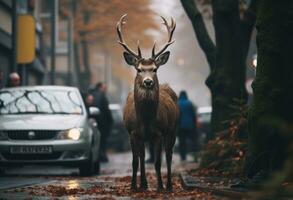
[(5, 39), (32, 73)]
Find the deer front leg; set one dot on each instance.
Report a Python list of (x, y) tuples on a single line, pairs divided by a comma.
[(169, 143), (143, 180), (158, 159), (135, 152)]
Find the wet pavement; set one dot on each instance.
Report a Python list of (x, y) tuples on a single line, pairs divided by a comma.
[(41, 182)]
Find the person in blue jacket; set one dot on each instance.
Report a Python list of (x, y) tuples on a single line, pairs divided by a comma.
[(187, 122)]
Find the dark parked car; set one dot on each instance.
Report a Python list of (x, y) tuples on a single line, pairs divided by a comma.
[(118, 139)]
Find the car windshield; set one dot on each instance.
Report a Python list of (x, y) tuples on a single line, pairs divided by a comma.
[(40, 102)]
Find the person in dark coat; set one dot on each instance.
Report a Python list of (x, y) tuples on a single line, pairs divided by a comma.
[(187, 122), (105, 119), (14, 80)]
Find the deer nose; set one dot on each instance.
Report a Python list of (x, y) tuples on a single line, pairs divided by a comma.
[(148, 83)]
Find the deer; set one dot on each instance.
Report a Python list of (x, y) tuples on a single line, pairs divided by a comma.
[(151, 112)]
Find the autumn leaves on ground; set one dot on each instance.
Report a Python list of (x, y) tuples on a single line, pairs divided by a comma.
[(112, 188)]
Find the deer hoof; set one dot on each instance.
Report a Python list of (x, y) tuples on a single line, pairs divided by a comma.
[(169, 188), (143, 187), (160, 188), (133, 188)]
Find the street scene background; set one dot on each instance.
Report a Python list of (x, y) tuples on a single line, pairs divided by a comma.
[(65, 79)]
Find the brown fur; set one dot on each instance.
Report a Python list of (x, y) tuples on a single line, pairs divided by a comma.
[(167, 113), (151, 115), (151, 111)]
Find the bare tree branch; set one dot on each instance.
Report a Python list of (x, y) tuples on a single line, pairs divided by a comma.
[(201, 33)]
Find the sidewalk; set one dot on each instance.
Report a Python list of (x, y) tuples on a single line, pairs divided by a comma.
[(113, 183), (215, 185)]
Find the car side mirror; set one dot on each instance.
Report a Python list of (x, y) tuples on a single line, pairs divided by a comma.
[(94, 111)]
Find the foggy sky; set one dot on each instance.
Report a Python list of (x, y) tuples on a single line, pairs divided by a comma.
[(191, 75)]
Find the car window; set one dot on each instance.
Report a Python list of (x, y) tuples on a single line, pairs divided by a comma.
[(40, 102)]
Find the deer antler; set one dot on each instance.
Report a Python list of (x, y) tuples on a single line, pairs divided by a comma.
[(121, 41), (170, 29)]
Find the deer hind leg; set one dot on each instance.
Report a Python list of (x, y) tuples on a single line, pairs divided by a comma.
[(135, 155), (143, 180), (169, 143), (158, 160)]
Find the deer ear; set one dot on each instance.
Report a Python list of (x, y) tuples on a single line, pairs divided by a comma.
[(162, 59), (130, 59)]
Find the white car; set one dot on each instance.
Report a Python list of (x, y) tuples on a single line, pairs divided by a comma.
[(48, 125), (204, 124)]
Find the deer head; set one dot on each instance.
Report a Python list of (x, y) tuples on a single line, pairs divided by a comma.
[(146, 68)]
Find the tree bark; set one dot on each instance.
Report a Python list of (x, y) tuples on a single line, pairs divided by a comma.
[(272, 108), (228, 79), (247, 25)]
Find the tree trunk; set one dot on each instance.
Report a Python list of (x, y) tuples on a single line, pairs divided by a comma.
[(204, 40), (226, 59), (76, 47), (85, 53), (227, 81), (272, 108), (247, 25), (77, 64), (86, 63)]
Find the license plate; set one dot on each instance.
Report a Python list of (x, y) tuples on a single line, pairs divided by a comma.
[(31, 150)]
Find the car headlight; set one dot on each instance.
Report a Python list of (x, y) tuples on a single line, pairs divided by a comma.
[(71, 134), (3, 136)]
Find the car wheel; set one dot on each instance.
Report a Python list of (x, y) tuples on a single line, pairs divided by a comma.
[(87, 168)]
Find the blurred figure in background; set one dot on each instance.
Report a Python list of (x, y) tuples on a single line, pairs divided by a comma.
[(89, 100), (187, 123), (14, 80), (105, 119)]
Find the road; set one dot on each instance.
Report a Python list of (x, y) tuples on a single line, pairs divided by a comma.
[(47, 182)]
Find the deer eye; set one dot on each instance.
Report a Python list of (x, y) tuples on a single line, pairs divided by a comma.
[(139, 70), (155, 70)]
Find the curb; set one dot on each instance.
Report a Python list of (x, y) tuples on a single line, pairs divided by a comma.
[(190, 183)]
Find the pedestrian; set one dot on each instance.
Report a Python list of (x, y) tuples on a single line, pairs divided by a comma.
[(105, 119), (187, 122), (89, 100), (14, 80)]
